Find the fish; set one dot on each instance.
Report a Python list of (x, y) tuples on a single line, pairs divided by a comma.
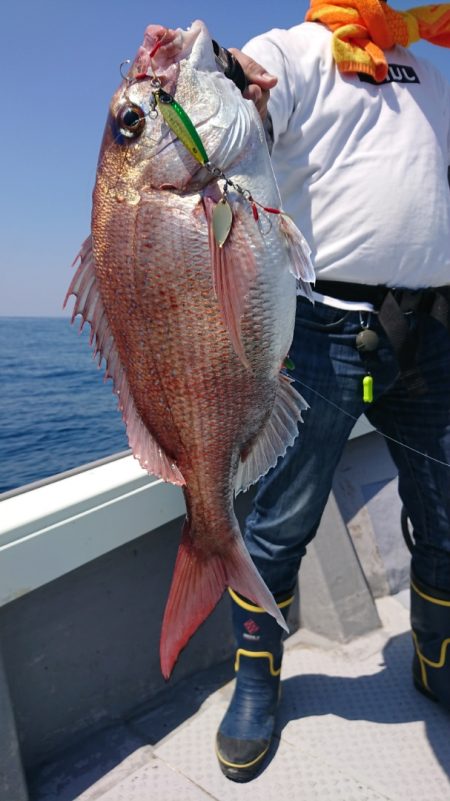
[(188, 281)]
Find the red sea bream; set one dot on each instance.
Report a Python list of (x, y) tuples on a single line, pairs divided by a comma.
[(189, 286)]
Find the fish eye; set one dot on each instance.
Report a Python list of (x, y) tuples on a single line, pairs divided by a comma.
[(131, 120)]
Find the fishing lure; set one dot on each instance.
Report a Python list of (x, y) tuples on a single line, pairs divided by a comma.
[(222, 220), (180, 123), (182, 126)]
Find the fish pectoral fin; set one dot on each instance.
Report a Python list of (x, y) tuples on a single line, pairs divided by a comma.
[(277, 435), (233, 268), (299, 254), (198, 582), (90, 306)]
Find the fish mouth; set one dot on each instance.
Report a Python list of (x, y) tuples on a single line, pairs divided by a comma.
[(164, 48), (161, 57), (167, 46)]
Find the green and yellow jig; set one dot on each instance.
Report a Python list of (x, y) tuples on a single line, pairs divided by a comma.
[(180, 123), (182, 126)]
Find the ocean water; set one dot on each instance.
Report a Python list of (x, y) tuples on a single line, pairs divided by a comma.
[(56, 410)]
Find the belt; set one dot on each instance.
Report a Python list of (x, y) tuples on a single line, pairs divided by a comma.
[(391, 305)]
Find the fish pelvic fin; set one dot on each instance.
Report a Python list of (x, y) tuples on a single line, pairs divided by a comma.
[(277, 435), (233, 270), (198, 583), (90, 306), (299, 251)]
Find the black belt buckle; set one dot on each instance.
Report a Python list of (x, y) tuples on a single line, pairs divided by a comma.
[(409, 300)]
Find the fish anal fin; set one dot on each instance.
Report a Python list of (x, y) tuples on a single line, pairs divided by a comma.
[(198, 583), (89, 306), (275, 437)]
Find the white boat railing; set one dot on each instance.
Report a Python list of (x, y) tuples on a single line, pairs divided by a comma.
[(59, 525)]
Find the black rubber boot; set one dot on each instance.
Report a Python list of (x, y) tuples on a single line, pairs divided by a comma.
[(246, 731), (430, 622)]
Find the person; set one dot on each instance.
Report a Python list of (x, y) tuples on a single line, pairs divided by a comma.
[(359, 129)]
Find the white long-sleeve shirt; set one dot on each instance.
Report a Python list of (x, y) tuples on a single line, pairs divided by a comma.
[(362, 167)]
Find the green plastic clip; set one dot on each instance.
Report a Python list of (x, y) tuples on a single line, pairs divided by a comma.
[(368, 389)]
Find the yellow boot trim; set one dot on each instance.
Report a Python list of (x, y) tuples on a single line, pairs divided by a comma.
[(251, 607), (241, 764), (430, 598), (424, 661), (442, 656), (423, 670), (257, 655)]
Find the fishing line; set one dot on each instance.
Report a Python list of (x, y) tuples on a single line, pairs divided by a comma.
[(386, 436)]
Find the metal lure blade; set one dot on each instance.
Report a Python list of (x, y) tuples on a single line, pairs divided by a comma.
[(222, 220)]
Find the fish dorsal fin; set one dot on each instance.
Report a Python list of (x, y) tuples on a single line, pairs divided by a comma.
[(89, 305), (273, 440), (234, 270)]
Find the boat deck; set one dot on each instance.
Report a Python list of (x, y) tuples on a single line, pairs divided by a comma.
[(351, 727)]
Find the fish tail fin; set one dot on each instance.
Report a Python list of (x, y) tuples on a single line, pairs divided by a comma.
[(198, 583)]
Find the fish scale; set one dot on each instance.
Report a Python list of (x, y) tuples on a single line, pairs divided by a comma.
[(207, 421)]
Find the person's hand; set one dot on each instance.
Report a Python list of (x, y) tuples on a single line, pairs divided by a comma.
[(260, 82)]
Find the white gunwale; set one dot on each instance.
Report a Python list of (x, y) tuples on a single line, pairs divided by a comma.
[(60, 524)]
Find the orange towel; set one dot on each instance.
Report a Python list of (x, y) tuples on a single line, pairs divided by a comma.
[(363, 29)]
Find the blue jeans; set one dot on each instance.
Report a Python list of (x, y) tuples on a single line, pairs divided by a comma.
[(291, 498)]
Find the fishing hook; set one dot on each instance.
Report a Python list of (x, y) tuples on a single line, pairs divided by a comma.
[(125, 77)]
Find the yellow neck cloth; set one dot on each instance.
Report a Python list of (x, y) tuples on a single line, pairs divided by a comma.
[(363, 29)]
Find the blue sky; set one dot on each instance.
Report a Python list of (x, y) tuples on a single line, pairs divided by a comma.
[(61, 65)]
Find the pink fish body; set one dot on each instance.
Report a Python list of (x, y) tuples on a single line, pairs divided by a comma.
[(194, 332)]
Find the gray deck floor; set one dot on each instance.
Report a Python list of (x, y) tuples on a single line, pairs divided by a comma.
[(351, 728)]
